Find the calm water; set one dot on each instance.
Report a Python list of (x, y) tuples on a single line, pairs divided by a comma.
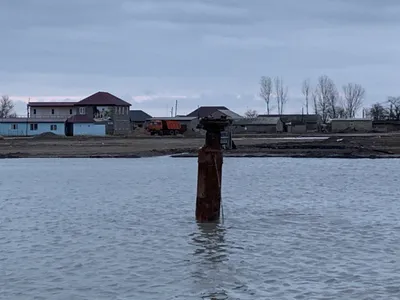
[(124, 229)]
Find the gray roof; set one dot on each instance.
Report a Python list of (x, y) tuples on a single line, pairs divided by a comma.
[(228, 113), (312, 118), (257, 121), (205, 111), (138, 115), (350, 119), (32, 120)]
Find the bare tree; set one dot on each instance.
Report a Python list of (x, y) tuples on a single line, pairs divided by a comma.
[(306, 91), (328, 97), (314, 96), (281, 92), (6, 107), (394, 109), (251, 114), (353, 94), (266, 91), (378, 112)]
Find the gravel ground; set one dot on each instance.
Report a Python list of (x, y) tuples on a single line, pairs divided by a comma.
[(336, 146)]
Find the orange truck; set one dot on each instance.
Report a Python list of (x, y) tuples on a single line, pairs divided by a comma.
[(165, 127)]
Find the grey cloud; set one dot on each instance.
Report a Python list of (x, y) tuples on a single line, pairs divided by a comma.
[(80, 46)]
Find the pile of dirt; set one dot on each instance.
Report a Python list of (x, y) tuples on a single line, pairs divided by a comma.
[(48, 135)]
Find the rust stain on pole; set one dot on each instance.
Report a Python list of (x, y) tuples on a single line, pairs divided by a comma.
[(209, 177)]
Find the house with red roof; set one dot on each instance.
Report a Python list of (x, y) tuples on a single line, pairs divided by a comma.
[(98, 114)]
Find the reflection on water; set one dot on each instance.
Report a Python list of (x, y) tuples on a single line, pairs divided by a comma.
[(210, 255)]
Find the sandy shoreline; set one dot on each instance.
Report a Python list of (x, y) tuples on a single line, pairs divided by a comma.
[(338, 146)]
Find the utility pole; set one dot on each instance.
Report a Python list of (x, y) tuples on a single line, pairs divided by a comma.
[(176, 108)]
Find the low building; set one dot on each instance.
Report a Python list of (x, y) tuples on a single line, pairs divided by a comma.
[(258, 125), (386, 125), (295, 127), (345, 125), (31, 126), (312, 122), (83, 125), (138, 118)]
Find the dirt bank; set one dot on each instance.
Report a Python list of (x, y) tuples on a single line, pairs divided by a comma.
[(371, 146)]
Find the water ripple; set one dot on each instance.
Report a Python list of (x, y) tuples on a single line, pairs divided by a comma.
[(124, 229)]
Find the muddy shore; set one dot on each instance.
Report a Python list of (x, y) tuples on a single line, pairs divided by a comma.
[(344, 146)]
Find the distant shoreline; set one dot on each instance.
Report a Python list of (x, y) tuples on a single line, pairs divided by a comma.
[(372, 146)]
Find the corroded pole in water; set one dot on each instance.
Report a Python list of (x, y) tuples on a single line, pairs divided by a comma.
[(209, 177)]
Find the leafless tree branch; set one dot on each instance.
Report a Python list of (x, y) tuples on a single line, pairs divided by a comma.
[(353, 98), (251, 114), (281, 92), (266, 91), (6, 107), (306, 91)]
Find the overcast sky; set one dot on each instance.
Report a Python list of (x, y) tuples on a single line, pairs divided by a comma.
[(201, 52)]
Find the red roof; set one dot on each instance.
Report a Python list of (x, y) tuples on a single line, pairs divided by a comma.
[(80, 119), (51, 104), (103, 98)]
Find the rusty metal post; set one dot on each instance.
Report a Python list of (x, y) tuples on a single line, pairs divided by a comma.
[(209, 177)]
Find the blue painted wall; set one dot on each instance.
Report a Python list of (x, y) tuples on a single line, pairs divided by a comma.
[(21, 128), (89, 129)]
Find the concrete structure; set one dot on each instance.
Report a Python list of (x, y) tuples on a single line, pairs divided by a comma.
[(258, 125), (138, 118), (51, 110), (313, 122), (343, 125), (295, 127), (209, 174), (31, 126), (386, 125)]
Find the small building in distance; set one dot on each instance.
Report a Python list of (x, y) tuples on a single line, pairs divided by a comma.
[(205, 111), (347, 125), (299, 123), (385, 125), (225, 113), (31, 126), (138, 117), (258, 125)]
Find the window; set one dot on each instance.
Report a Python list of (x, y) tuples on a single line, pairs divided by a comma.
[(53, 127), (52, 111), (70, 111), (34, 126), (82, 110), (34, 111), (14, 126)]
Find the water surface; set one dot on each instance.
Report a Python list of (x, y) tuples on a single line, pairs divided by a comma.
[(124, 229)]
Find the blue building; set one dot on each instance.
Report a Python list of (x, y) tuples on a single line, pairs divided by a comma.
[(31, 126), (84, 125)]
